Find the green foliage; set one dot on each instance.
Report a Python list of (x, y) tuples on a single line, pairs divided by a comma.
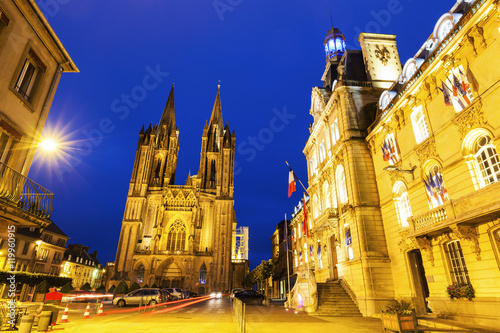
[(134, 286), (461, 290), (145, 286), (154, 285), (401, 307), (42, 287), (33, 279), (86, 287), (101, 289), (111, 290), (121, 288), (67, 288), (250, 280)]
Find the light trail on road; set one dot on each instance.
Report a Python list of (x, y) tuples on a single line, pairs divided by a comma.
[(177, 307), (182, 303)]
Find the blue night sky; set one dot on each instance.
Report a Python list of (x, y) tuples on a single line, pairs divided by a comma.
[(268, 55)]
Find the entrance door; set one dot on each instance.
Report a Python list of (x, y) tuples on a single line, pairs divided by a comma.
[(333, 251), (419, 281)]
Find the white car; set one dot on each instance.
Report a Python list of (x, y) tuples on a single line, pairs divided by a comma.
[(176, 292)]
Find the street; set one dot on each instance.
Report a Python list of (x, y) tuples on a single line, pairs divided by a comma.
[(208, 315)]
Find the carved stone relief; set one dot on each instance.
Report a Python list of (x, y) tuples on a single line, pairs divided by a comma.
[(399, 118), (470, 236), (426, 150), (470, 118), (383, 55), (407, 244), (425, 246)]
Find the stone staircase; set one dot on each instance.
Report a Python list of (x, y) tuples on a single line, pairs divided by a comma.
[(333, 300)]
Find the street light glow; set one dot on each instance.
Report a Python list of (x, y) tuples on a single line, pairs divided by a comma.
[(48, 144)]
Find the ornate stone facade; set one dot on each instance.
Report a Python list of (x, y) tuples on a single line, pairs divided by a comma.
[(179, 235), (441, 224), (346, 239)]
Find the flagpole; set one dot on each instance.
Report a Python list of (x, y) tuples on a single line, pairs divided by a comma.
[(298, 179), (287, 263)]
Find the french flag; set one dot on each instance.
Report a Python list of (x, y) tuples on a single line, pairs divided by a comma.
[(291, 182)]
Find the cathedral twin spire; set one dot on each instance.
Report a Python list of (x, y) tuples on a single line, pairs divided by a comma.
[(161, 142)]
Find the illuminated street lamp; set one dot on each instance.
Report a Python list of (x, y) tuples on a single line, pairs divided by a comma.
[(48, 145)]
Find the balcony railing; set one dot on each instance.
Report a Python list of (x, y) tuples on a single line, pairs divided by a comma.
[(25, 193), (435, 216)]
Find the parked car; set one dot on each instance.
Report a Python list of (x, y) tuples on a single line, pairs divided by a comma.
[(192, 294), (250, 296), (145, 296), (176, 292), (168, 296), (233, 291)]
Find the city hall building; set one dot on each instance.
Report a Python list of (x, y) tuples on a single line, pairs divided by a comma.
[(180, 235), (404, 171)]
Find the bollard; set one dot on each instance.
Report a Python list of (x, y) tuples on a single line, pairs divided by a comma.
[(44, 322), (26, 324)]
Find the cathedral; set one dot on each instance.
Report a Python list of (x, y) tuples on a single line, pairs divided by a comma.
[(179, 235)]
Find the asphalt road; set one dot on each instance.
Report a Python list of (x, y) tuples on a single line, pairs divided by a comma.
[(207, 315)]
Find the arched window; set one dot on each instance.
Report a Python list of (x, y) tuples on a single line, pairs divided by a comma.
[(203, 274), (402, 202), (140, 274), (486, 159), (419, 123), (316, 206), (341, 185), (327, 196), (320, 259), (435, 187), (322, 152), (176, 237), (348, 243), (457, 262)]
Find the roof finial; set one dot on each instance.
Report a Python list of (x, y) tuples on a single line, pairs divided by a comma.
[(173, 82), (218, 84), (331, 18)]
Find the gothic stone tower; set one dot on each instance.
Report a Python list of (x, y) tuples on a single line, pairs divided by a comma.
[(179, 235)]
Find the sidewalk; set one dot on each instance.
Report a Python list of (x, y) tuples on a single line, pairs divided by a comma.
[(276, 319)]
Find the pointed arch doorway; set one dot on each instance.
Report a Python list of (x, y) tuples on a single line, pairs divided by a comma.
[(172, 277)]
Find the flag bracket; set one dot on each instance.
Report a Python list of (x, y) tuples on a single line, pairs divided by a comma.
[(398, 169)]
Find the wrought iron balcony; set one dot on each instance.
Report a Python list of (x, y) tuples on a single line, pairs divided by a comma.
[(25, 193)]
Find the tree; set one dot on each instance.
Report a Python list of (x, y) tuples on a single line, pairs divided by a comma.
[(101, 289), (42, 288), (67, 288), (250, 281), (86, 287), (154, 285), (134, 286), (145, 286), (121, 288)]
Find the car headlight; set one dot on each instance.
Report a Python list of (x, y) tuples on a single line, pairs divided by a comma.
[(213, 295), (219, 295)]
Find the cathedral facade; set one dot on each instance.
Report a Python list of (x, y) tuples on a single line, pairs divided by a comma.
[(179, 235)]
